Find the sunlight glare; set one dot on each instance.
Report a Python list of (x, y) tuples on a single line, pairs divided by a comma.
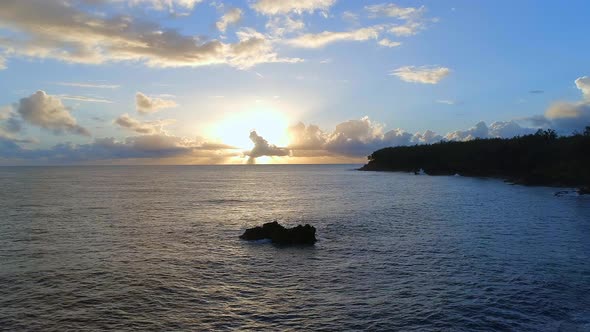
[(268, 123)]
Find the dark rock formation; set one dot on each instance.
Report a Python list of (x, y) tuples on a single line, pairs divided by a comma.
[(584, 191), (281, 235)]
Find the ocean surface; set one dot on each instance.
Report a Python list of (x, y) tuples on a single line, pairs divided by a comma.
[(157, 248)]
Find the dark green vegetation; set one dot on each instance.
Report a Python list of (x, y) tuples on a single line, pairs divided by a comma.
[(539, 159)]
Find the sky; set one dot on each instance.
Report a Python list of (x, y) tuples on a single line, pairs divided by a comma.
[(273, 81)]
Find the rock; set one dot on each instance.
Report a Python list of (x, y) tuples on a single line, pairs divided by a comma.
[(281, 235), (584, 191)]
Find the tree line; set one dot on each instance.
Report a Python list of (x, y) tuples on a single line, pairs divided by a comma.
[(543, 158)]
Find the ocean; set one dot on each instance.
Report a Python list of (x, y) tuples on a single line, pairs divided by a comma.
[(156, 248)]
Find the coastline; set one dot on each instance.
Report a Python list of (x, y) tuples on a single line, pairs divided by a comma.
[(581, 189)]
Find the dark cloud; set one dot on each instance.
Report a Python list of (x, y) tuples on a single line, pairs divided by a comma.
[(48, 112), (567, 117), (263, 148), (154, 147), (537, 91)]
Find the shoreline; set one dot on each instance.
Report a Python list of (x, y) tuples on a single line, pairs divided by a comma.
[(511, 180)]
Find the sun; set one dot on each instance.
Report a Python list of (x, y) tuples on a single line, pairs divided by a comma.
[(234, 129)]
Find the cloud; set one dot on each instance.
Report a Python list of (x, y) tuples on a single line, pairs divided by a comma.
[(10, 124), (275, 7), (142, 127), (84, 99), (170, 5), (254, 48), (263, 148), (499, 129), (423, 74), (480, 130), (145, 104), (393, 10), (328, 37), (388, 43), (278, 26), (231, 17), (302, 137), (360, 137), (48, 112), (536, 91), (153, 148), (412, 20), (406, 30), (2, 63), (350, 17), (446, 101), (583, 84), (508, 129), (428, 137), (567, 117), (89, 85), (352, 138), (67, 33)]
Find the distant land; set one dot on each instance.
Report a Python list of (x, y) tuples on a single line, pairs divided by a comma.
[(543, 159)]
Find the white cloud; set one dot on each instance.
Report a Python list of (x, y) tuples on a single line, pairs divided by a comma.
[(428, 137), (480, 130), (170, 5), (423, 74), (508, 129), (274, 7), (388, 43), (412, 20), (84, 99), (393, 10), (231, 17), (2, 63), (70, 34), (499, 129), (357, 138), (145, 104), (566, 117), (407, 29), (89, 85), (48, 112), (446, 101), (254, 48), (353, 138), (278, 26), (328, 37), (142, 127), (583, 83), (350, 17)]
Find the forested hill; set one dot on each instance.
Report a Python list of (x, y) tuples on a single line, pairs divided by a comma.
[(539, 159)]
